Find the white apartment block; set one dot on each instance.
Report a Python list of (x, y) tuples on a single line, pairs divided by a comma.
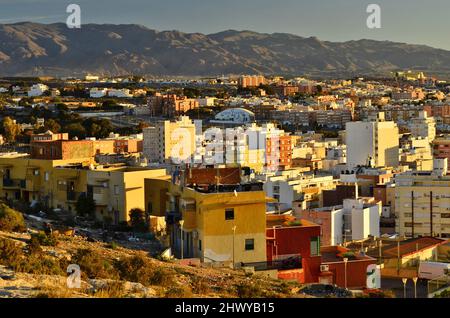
[(372, 143), (98, 92), (37, 90), (295, 185), (423, 126)]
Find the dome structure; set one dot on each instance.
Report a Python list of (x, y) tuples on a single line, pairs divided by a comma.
[(235, 115)]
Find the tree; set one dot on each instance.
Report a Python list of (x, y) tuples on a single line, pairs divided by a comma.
[(85, 205), (52, 125), (99, 128), (76, 130), (139, 220), (11, 129), (109, 103)]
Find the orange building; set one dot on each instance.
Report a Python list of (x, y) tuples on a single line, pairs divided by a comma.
[(283, 151), (171, 105), (251, 81)]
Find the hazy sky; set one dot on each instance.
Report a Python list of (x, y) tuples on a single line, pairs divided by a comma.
[(411, 21)]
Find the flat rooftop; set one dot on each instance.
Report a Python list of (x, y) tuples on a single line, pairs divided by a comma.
[(284, 221)]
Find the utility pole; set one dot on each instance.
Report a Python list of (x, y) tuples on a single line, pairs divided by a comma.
[(431, 214)]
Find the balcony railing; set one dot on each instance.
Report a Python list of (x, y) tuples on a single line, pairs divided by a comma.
[(11, 183), (286, 264)]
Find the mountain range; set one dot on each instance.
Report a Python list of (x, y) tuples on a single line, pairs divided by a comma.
[(32, 49)]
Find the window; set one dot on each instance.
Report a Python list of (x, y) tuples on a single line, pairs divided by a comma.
[(116, 190), (249, 244), (229, 214), (199, 245), (315, 246), (445, 215)]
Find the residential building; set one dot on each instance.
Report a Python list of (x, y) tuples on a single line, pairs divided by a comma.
[(422, 204), (294, 185), (170, 141), (294, 243), (98, 92), (37, 90), (372, 143), (355, 220), (441, 148), (216, 223), (116, 189), (251, 81), (423, 126), (170, 105)]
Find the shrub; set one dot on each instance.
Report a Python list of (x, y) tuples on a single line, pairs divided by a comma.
[(36, 264), (249, 290), (94, 265), (11, 253), (12, 256), (178, 292), (114, 289), (138, 269), (45, 239), (200, 286), (113, 245), (11, 220), (34, 245)]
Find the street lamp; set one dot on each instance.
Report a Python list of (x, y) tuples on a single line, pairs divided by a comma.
[(345, 272), (181, 237), (415, 279), (234, 235), (404, 280)]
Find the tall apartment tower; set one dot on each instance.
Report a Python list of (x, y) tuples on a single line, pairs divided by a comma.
[(423, 126), (170, 141), (373, 143)]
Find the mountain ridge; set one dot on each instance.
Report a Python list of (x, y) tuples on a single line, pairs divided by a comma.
[(34, 49)]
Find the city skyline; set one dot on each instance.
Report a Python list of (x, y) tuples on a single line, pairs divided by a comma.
[(330, 21)]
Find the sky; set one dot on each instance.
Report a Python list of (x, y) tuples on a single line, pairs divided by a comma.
[(411, 21)]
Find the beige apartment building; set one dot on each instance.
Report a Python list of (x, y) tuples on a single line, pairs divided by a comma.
[(170, 141), (423, 126), (422, 202)]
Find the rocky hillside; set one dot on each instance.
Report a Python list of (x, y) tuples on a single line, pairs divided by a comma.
[(103, 274), (39, 49)]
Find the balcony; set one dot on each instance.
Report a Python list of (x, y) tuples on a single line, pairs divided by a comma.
[(73, 196), (12, 183)]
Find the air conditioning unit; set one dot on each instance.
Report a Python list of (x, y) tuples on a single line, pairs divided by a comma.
[(324, 268)]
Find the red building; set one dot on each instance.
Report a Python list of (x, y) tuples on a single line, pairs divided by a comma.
[(289, 238)]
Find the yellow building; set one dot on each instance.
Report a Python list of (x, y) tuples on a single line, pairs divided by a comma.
[(35, 179), (118, 189), (216, 227), (422, 204), (57, 184)]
